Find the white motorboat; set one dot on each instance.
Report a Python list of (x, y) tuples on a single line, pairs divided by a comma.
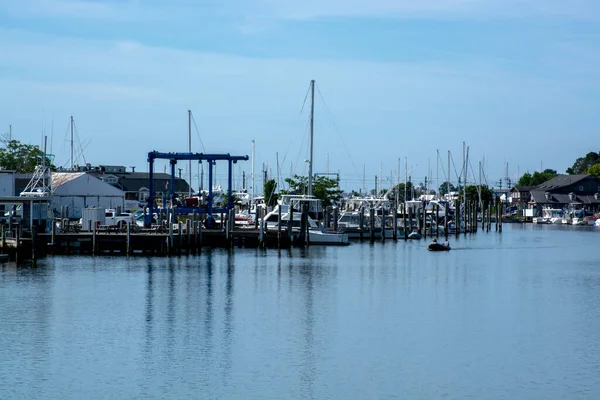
[(316, 233)]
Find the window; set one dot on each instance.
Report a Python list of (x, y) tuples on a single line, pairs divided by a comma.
[(581, 188)]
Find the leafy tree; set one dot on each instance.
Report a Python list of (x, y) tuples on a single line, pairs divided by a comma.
[(594, 170), (443, 190), (21, 157), (472, 194), (269, 191), (400, 188), (537, 178), (324, 188), (582, 164)]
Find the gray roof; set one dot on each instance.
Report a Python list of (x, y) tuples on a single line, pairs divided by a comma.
[(134, 181), (560, 181), (539, 196)]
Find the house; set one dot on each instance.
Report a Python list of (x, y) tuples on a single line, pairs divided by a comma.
[(135, 185), (79, 190), (567, 191), (520, 195)]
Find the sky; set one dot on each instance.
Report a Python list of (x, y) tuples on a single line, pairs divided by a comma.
[(397, 83)]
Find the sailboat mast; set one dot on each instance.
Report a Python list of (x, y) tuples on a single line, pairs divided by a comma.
[(448, 183), (190, 150), (252, 177), (312, 122), (71, 142)]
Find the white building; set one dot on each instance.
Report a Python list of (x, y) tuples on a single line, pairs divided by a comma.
[(79, 190)]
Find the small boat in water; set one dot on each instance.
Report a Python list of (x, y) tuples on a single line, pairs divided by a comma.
[(435, 246), (415, 235)]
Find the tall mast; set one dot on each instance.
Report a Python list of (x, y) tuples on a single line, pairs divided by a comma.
[(190, 150), (252, 177), (71, 142), (437, 174), (312, 122), (448, 183), (9, 133)]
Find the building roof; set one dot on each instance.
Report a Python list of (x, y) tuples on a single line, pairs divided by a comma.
[(134, 181), (539, 196), (60, 178), (522, 188), (560, 181)]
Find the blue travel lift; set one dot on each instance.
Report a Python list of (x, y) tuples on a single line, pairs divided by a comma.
[(173, 158)]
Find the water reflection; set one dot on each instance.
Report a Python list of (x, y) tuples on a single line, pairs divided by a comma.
[(501, 316)]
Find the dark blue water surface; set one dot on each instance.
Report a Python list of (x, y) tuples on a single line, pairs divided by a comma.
[(514, 315)]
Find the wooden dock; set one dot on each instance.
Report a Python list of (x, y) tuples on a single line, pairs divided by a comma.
[(146, 242)]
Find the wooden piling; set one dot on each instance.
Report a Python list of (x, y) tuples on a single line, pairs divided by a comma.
[(361, 221), (129, 250), (290, 225), (395, 221), (94, 240), (404, 226), (335, 218), (179, 236), (188, 232), (279, 227), (372, 225)]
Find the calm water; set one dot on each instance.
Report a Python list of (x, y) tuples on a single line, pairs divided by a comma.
[(502, 316)]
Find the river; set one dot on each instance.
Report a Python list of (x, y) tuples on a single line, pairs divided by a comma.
[(511, 315)]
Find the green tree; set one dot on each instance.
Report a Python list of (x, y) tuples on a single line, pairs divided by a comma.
[(582, 164), (21, 157), (324, 188), (472, 193), (400, 188), (537, 178), (594, 170), (443, 190), (269, 191)]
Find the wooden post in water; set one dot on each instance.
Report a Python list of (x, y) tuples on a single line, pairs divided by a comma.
[(446, 227), (170, 238), (279, 227), (4, 239), (335, 219), (128, 248), (94, 240), (383, 224), (457, 220), (188, 233), (500, 218), (33, 241), (372, 225), (395, 221), (200, 228), (437, 220), (361, 222), (17, 242), (261, 235), (290, 226), (424, 217), (404, 226), (180, 236)]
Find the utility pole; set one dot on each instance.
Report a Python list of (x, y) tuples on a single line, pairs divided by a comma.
[(9, 133)]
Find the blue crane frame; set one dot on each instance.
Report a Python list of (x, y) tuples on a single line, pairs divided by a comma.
[(173, 158)]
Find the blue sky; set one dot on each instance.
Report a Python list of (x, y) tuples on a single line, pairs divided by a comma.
[(517, 81)]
